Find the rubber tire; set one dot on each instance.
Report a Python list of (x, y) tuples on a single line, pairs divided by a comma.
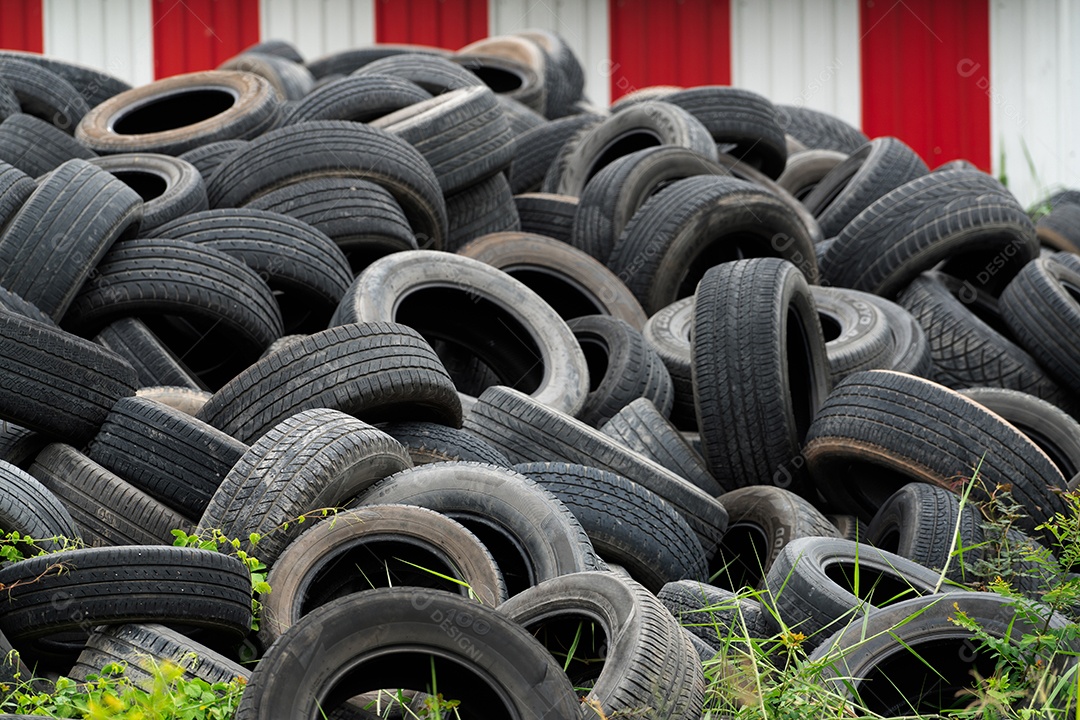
[(547, 214), (536, 149), (290, 78), (30, 509), (372, 624), (697, 223), (812, 584), (43, 92), (37, 147), (306, 563), (155, 364), (166, 453), (816, 129), (920, 522), (860, 337), (520, 117), (375, 371), (715, 615), (759, 375), (169, 187), (528, 431), (345, 62), (206, 158), (52, 244), (499, 72), (430, 443), (762, 520), (649, 661), (16, 187), (186, 400), (965, 216), (107, 128), (481, 209), (1057, 229), (910, 346), (57, 383), (642, 428), (908, 429), (560, 379), (434, 74), (626, 523), (335, 148), (108, 511), (667, 331), (806, 168)]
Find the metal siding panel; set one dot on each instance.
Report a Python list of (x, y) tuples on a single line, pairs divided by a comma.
[(22, 26), (653, 44), (193, 35), (441, 23), (111, 35), (319, 27), (911, 85)]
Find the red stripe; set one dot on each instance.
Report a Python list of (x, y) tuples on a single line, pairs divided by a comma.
[(654, 43), (193, 35), (440, 23), (21, 25), (926, 76)]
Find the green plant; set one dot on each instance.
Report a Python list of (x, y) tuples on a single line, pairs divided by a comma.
[(217, 541), (16, 546)]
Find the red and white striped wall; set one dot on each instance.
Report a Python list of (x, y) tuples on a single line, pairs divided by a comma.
[(993, 81)]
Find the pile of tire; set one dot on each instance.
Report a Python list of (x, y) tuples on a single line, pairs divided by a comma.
[(510, 393)]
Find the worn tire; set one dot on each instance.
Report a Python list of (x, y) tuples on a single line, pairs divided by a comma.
[(155, 364), (169, 187), (668, 333), (428, 443), (37, 147)]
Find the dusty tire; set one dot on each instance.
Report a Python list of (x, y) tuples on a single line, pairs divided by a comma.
[(668, 333), (155, 364), (169, 187), (37, 147)]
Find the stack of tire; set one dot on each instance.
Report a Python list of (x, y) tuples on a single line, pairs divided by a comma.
[(510, 393)]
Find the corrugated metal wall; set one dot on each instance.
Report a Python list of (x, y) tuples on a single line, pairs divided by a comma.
[(191, 35), (799, 52), (21, 26), (1033, 84), (583, 24), (442, 23), (114, 35), (319, 27), (685, 43)]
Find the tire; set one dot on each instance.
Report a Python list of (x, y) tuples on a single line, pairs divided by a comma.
[(559, 53), (927, 524), (277, 48), (291, 79), (479, 310), (635, 128), (13, 303), (314, 460), (9, 103), (531, 534), (547, 214), (668, 333), (648, 661), (521, 81), (914, 658), (75, 590), (970, 343), (697, 223), (488, 660), (155, 364), (818, 585), (186, 400), (760, 375), (166, 453), (463, 135), (434, 74), (362, 218), (482, 209), (375, 371), (335, 148), (762, 520), (56, 383), (909, 429), (140, 648), (107, 510), (714, 615), (51, 245), (306, 272), (850, 527), (177, 114), (622, 368), (30, 509), (345, 62), (227, 307), (626, 523), (37, 147), (536, 150), (816, 129), (857, 334), (95, 86), (206, 158), (170, 188), (520, 117), (806, 168), (403, 545), (357, 98), (432, 443), (961, 215), (527, 431), (618, 191), (741, 118), (1042, 309), (1057, 229), (640, 427), (43, 93), (875, 169), (19, 446), (16, 187), (1053, 430), (911, 347)]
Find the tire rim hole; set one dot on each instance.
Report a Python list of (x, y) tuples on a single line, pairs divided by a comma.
[(742, 557), (800, 371), (621, 146), (577, 642), (869, 584), (509, 555), (174, 110), (889, 540), (830, 327), (500, 81), (148, 185), (728, 247), (567, 298), (596, 358)]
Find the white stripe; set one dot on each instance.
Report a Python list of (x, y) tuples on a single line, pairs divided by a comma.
[(799, 52), (1034, 103), (583, 25), (115, 36), (319, 27)]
